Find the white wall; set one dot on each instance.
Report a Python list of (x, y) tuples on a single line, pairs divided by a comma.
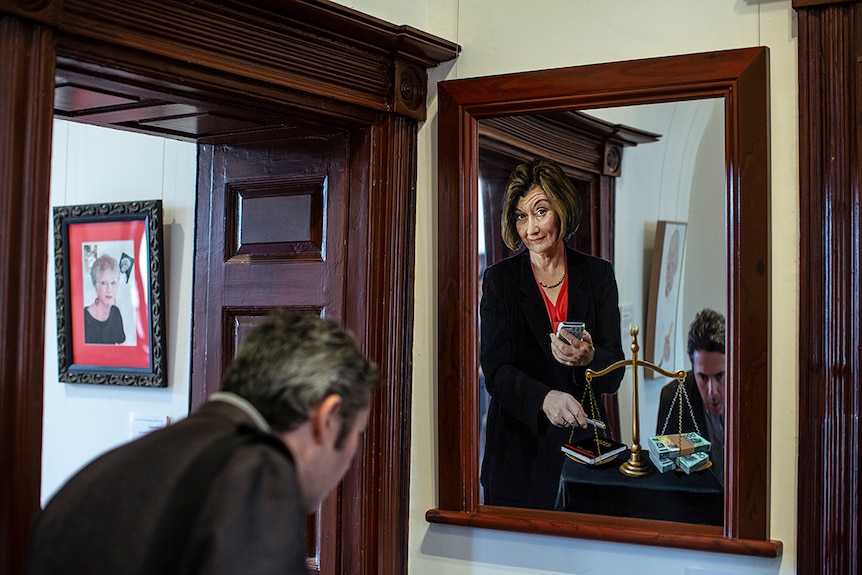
[(92, 165), (499, 37)]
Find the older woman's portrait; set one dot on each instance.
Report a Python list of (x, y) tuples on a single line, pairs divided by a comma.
[(110, 325), (535, 381), (108, 311)]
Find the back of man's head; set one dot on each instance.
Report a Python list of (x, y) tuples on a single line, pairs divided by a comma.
[(292, 361), (706, 333)]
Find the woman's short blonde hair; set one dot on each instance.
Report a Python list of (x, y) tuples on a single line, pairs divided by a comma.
[(560, 190)]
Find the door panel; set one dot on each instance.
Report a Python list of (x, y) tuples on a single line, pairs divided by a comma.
[(271, 233)]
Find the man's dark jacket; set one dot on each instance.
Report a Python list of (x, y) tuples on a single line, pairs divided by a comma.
[(102, 522)]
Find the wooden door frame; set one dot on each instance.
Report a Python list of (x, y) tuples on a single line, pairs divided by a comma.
[(310, 57), (829, 486)]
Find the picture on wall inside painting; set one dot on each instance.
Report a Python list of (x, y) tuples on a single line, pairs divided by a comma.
[(110, 321), (111, 303), (663, 329)]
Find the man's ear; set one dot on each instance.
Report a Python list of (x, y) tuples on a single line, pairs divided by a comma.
[(326, 418)]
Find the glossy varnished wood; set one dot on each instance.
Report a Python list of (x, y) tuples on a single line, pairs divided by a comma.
[(26, 65), (237, 283), (738, 76), (390, 220), (829, 527), (637, 531), (308, 47), (117, 65)]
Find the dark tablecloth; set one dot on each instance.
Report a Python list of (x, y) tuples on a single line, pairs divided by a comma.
[(672, 496)]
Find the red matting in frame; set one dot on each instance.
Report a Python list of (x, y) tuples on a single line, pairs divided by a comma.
[(126, 356)]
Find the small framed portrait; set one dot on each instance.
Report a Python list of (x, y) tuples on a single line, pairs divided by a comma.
[(110, 301), (662, 326)]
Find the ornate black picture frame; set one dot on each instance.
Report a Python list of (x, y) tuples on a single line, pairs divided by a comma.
[(110, 296)]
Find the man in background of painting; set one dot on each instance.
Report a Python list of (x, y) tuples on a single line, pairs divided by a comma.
[(705, 387)]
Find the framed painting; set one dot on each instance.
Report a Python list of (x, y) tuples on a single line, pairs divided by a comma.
[(110, 300), (663, 310)]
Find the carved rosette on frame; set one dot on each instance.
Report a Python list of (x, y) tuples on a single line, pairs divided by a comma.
[(410, 90), (43, 11)]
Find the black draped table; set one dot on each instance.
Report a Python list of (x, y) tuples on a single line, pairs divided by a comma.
[(672, 496)]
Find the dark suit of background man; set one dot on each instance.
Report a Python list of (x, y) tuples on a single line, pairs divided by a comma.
[(705, 387), (292, 406)]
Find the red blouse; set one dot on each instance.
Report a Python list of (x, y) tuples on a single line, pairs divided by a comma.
[(556, 311)]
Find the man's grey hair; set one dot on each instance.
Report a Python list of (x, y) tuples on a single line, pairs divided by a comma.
[(292, 361), (706, 333)]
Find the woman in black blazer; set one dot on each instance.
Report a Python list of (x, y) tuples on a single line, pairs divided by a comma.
[(534, 379)]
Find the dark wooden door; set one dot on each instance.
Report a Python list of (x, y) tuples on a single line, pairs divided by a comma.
[(271, 233)]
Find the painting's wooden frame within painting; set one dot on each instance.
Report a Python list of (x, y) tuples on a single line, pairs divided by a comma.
[(662, 330), (740, 78), (129, 233)]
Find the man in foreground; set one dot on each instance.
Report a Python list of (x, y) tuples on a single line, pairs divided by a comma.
[(226, 490), (705, 388)]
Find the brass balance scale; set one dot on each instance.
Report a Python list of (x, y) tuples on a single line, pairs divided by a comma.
[(636, 465)]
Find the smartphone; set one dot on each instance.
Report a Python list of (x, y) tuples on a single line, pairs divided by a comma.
[(576, 328)]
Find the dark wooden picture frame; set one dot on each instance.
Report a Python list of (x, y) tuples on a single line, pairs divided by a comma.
[(125, 238), (741, 78)]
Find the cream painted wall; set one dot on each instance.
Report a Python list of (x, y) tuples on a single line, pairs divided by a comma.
[(507, 36)]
